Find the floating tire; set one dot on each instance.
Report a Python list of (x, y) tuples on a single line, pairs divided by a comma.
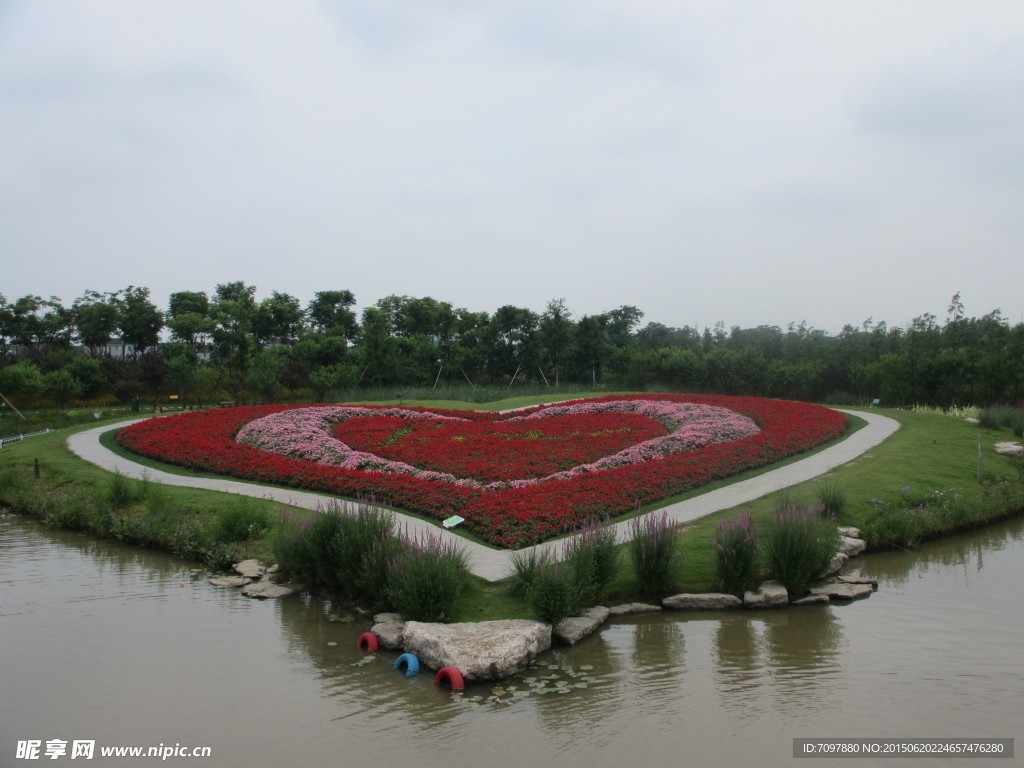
[(410, 662), (368, 642), (452, 677)]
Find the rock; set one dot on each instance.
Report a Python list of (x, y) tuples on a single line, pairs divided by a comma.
[(266, 589), (486, 650), (852, 547), (229, 581), (627, 609), (846, 530), (388, 618), (251, 569), (770, 594), (838, 563), (708, 601), (1010, 449), (812, 600), (858, 580), (570, 631), (843, 591), (391, 634)]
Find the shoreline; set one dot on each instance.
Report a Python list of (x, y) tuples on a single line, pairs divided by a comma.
[(493, 564)]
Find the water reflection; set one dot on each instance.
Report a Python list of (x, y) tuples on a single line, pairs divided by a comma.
[(110, 646), (966, 551)]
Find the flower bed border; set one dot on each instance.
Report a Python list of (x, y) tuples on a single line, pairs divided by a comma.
[(509, 518)]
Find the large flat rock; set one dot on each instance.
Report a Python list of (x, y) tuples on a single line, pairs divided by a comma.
[(707, 601), (266, 589), (770, 594), (570, 631), (629, 609), (843, 591), (485, 650)]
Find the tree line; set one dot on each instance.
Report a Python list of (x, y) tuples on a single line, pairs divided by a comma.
[(226, 343)]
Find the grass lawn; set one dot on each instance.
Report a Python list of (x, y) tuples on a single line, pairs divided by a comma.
[(930, 453)]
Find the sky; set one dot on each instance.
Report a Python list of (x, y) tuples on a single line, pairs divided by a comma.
[(754, 163)]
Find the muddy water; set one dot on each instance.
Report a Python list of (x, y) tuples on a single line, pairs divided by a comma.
[(127, 647)]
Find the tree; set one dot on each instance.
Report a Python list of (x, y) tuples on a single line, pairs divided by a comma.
[(233, 312), (22, 379), (591, 346), (62, 386), (278, 318), (621, 323), (555, 332), (95, 316), (89, 372), (36, 324), (512, 337), (188, 317), (139, 321), (330, 312)]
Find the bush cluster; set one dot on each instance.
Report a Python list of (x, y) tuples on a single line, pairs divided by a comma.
[(800, 544), (737, 554), (355, 552)]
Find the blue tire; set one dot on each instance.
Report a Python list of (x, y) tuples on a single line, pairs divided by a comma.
[(410, 662)]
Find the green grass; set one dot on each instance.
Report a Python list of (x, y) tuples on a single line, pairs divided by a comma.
[(930, 452)]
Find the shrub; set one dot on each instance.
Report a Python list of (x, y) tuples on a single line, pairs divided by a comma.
[(291, 546), (553, 592), (600, 540), (832, 498), (800, 545), (737, 550), (241, 519), (363, 535), (657, 562), (526, 564), (120, 491), (426, 577), (999, 416)]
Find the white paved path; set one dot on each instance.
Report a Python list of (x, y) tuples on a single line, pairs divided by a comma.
[(495, 564)]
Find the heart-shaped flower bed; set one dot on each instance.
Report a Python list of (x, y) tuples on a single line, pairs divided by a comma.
[(516, 478), (494, 451)]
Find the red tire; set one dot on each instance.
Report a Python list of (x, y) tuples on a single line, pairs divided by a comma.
[(452, 676), (368, 642)]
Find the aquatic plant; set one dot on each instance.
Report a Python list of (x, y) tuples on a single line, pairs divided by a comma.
[(800, 544), (426, 577), (737, 553), (654, 554)]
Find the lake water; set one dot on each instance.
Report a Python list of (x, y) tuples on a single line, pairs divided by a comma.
[(126, 647)]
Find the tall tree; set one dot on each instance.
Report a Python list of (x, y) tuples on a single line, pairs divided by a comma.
[(330, 312), (555, 332), (139, 321), (96, 317)]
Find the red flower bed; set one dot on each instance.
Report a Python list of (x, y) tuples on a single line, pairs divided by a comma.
[(509, 517), (483, 450)]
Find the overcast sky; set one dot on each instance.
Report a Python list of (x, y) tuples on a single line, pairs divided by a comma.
[(703, 160)]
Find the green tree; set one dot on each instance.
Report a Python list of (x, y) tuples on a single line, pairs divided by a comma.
[(62, 386), (188, 317), (330, 312), (139, 321), (556, 329), (22, 380), (96, 316)]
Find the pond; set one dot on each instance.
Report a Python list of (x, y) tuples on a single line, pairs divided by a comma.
[(127, 647)]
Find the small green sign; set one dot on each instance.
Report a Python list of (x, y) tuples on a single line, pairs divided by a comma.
[(452, 521)]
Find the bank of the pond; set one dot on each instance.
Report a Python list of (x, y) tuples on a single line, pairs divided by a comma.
[(873, 462), (493, 564)]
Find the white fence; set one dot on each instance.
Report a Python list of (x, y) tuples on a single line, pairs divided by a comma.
[(5, 440)]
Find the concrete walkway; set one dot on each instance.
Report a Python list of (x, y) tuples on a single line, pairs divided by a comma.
[(495, 564)]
